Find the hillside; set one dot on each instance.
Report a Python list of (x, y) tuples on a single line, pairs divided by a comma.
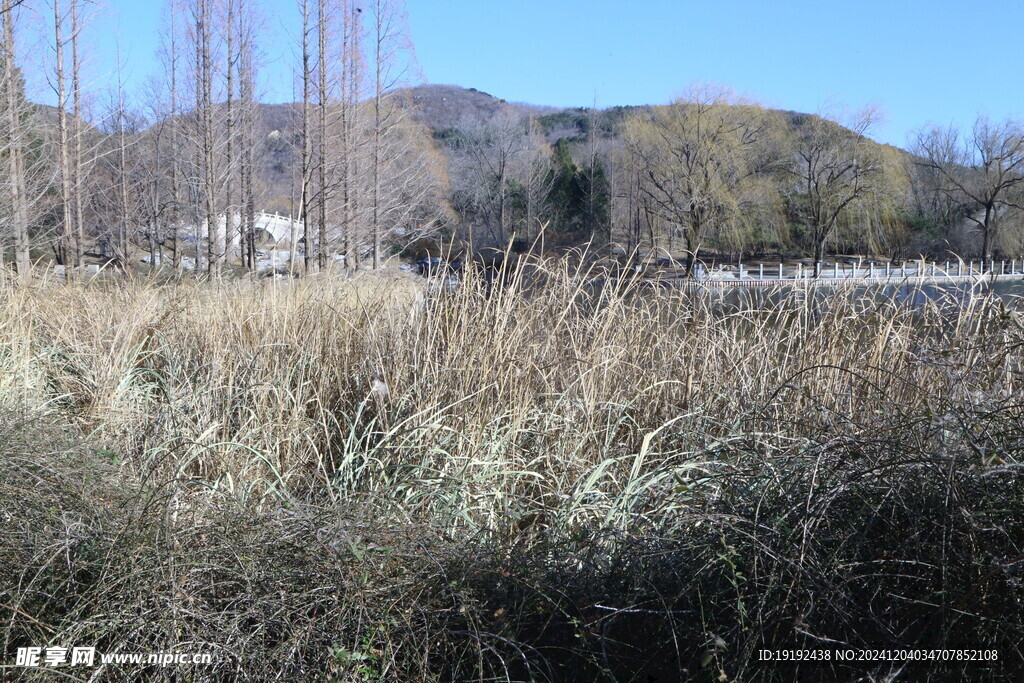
[(448, 112), (448, 106), (444, 107)]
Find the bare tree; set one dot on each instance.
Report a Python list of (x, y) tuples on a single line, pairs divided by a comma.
[(626, 197), (13, 122), (77, 169), (351, 88), (495, 151), (306, 161), (248, 114), (393, 62), (124, 199), (412, 204), (983, 171), (204, 174), (65, 249), (323, 20), (229, 166), (536, 179), (171, 67), (119, 187)]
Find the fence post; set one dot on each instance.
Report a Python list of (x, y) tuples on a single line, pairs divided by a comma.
[(799, 271), (888, 269), (933, 269), (741, 270), (959, 268), (780, 270), (760, 271), (835, 270), (1002, 267)]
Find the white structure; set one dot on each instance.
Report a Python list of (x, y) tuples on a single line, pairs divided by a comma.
[(272, 231), (273, 240)]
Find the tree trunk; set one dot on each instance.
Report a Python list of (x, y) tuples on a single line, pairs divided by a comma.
[(214, 238), (307, 242), (249, 141), (66, 250), (76, 120), (819, 256), (349, 104), (122, 169), (175, 179), (322, 102), (229, 206), (15, 162), (986, 237)]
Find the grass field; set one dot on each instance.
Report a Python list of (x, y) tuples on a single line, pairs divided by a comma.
[(544, 480)]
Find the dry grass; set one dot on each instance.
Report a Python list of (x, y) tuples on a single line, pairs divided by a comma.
[(554, 467)]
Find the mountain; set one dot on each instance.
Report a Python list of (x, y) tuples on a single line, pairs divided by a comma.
[(441, 107), (450, 107), (446, 111)]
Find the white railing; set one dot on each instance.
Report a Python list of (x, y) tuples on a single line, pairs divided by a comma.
[(863, 272)]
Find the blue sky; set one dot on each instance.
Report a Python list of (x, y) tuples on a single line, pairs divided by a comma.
[(919, 61)]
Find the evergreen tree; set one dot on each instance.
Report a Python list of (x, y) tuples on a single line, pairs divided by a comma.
[(565, 199), (596, 199), (579, 199)]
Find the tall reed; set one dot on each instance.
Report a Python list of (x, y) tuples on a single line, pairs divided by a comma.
[(547, 410)]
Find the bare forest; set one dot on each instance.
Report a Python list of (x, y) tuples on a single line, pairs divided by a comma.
[(176, 175)]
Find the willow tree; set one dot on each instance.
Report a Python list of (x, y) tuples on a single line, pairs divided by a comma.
[(697, 162), (839, 173)]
